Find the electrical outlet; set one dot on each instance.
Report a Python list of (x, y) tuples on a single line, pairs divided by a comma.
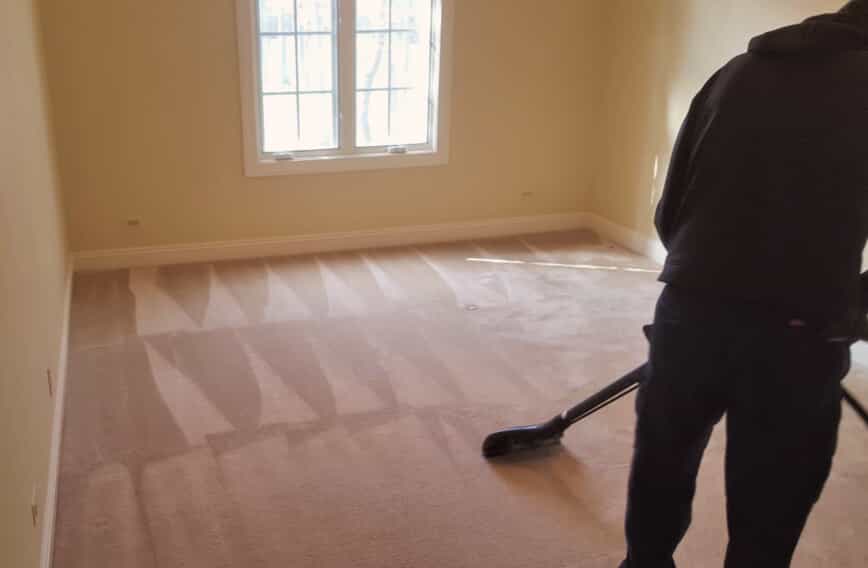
[(34, 508), (50, 383)]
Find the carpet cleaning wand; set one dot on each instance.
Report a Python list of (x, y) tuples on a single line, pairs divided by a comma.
[(523, 438)]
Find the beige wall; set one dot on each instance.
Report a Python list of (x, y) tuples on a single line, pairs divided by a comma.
[(149, 126), (32, 282), (660, 55)]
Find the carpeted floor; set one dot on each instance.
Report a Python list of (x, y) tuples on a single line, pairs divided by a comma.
[(327, 412)]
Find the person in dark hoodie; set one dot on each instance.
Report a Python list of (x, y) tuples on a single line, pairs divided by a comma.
[(765, 216)]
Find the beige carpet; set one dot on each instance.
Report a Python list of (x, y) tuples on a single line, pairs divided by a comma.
[(327, 412)]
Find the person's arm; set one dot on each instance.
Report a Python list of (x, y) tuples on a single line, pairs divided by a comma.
[(693, 130)]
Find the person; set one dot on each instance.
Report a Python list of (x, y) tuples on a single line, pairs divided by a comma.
[(764, 215)]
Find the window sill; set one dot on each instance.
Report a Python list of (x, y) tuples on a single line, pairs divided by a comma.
[(265, 167)]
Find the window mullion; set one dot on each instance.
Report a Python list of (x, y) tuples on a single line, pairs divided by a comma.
[(347, 75), (297, 73), (434, 53), (389, 72)]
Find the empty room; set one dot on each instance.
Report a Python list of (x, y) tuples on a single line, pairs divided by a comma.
[(433, 283)]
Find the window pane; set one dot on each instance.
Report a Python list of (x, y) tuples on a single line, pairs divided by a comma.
[(372, 116), (315, 62), (276, 16), (315, 15), (409, 117), (278, 63), (279, 123), (317, 122), (411, 14), (372, 61), (398, 61), (410, 60), (372, 14)]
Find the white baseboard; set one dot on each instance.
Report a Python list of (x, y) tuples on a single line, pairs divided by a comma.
[(397, 236), (628, 238), (284, 246), (49, 509)]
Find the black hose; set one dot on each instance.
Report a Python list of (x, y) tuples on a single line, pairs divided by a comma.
[(605, 397), (856, 405)]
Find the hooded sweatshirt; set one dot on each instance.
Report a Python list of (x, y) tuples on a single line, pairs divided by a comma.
[(766, 198)]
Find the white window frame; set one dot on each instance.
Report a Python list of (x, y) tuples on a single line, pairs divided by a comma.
[(347, 157)]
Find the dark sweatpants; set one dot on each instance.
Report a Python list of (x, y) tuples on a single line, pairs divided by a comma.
[(777, 381)]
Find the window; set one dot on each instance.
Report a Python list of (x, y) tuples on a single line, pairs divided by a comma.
[(338, 85)]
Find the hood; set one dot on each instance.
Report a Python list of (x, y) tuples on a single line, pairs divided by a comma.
[(846, 30)]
